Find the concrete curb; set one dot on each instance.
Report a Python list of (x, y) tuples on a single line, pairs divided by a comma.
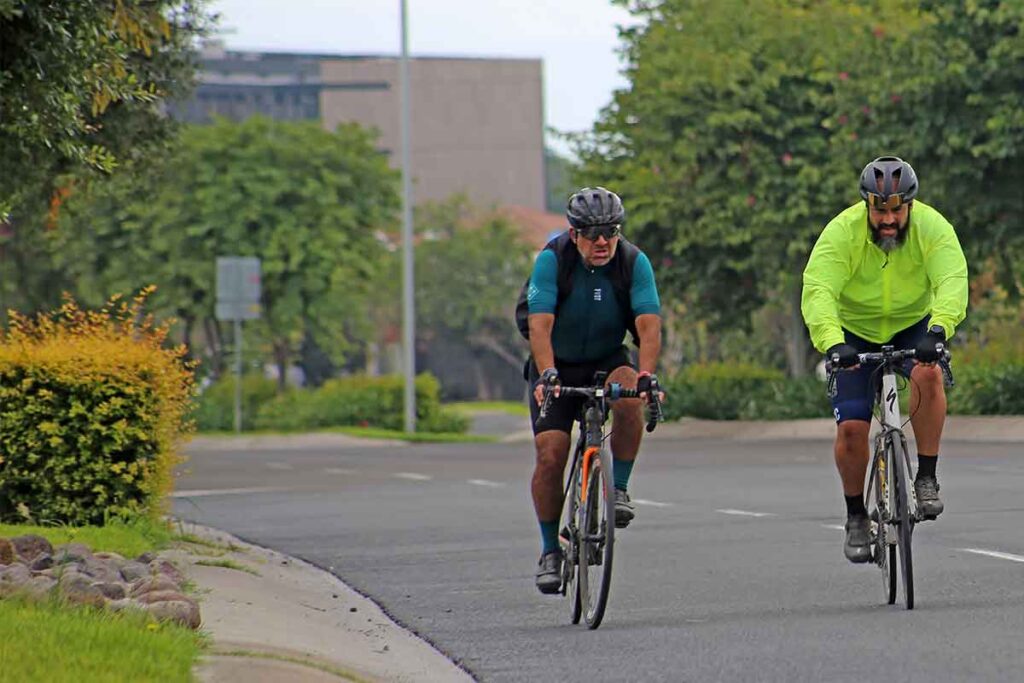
[(280, 619)]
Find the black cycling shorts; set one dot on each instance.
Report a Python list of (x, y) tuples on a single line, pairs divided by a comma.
[(855, 390), (563, 411)]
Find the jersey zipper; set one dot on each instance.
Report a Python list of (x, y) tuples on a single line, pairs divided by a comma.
[(886, 298)]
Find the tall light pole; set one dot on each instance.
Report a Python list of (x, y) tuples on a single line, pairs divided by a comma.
[(408, 307)]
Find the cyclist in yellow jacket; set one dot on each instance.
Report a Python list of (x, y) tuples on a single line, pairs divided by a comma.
[(889, 270)]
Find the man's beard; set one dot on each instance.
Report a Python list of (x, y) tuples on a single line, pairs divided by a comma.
[(889, 244)]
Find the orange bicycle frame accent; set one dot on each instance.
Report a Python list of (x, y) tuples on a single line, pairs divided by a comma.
[(587, 457)]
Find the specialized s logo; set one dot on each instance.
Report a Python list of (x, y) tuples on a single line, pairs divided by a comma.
[(597, 294), (890, 398)]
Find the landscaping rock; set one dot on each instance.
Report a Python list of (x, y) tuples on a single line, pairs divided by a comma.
[(179, 611), (71, 552), (42, 562), (35, 569), (30, 546), (132, 571), (155, 583)]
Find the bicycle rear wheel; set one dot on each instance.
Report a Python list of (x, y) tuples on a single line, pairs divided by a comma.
[(597, 539), (903, 516)]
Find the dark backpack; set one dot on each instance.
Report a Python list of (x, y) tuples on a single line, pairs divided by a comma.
[(621, 275)]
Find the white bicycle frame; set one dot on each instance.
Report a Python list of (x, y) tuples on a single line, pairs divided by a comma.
[(892, 419)]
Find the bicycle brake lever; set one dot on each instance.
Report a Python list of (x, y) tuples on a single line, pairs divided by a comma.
[(832, 384), (656, 415), (545, 404)]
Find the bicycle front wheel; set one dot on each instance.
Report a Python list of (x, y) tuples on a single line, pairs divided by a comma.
[(571, 548), (903, 516), (597, 539), (883, 552)]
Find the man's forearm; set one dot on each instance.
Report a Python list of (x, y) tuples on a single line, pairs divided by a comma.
[(649, 328), (541, 348)]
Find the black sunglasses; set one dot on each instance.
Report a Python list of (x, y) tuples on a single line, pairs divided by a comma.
[(592, 232)]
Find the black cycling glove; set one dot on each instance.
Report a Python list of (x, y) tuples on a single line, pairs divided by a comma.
[(847, 355), (549, 378), (927, 349), (647, 382)]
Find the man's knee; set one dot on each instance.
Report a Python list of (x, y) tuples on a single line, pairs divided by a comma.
[(852, 433), (927, 380), (623, 375), (552, 451)]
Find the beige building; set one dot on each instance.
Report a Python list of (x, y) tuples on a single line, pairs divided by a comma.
[(477, 124)]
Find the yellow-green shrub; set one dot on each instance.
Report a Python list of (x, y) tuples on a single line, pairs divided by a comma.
[(92, 410)]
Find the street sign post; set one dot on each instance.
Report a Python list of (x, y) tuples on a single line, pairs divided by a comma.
[(238, 298)]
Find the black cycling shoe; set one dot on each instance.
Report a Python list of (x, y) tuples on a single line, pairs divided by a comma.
[(549, 572), (928, 504), (857, 547), (624, 511)]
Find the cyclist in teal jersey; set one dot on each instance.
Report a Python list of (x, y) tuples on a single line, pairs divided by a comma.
[(576, 333)]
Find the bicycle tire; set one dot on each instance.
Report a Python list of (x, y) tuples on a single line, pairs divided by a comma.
[(572, 583), (904, 519), (883, 552), (597, 540)]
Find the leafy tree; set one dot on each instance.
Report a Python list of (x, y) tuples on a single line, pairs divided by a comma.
[(305, 201), (470, 265), (81, 83), (746, 122)]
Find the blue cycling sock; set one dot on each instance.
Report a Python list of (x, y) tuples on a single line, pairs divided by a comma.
[(622, 469), (549, 537)]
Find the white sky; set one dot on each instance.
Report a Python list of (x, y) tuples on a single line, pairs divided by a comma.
[(577, 39)]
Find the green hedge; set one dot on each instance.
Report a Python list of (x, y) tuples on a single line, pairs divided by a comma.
[(986, 389), (359, 401), (742, 391), (215, 409), (92, 411)]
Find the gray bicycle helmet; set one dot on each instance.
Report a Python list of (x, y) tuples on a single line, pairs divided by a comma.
[(898, 183), (594, 206)]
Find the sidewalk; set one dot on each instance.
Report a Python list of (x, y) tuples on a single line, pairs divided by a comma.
[(290, 622), (973, 428)]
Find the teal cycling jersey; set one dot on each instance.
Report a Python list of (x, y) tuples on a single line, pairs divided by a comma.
[(588, 324)]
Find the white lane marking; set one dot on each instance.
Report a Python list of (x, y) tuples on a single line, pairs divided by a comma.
[(745, 513), (279, 466), (994, 553), (199, 493), (652, 503), (486, 482), (413, 476), (840, 527), (337, 470)]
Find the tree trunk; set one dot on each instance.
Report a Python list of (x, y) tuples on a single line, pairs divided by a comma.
[(796, 334), (281, 361)]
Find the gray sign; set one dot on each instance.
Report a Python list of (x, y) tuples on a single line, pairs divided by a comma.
[(238, 288)]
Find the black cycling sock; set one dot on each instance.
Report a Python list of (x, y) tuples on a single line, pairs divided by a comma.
[(926, 465), (855, 505)]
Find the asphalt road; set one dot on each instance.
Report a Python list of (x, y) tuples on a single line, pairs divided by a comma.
[(732, 571)]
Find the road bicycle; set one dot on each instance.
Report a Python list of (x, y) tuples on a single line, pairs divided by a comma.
[(890, 498), (588, 534)]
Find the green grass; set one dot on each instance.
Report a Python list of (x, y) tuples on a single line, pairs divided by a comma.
[(126, 538), (228, 564), (53, 642), (517, 408)]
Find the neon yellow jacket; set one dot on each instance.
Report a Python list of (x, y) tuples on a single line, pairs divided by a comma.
[(850, 283)]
